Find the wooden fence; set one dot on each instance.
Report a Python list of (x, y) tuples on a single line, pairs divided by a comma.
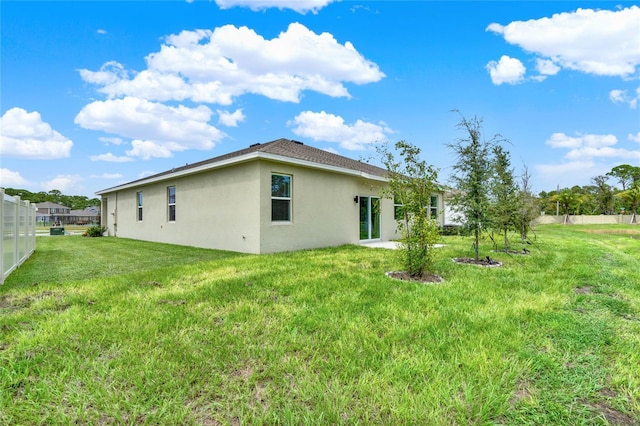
[(18, 233)]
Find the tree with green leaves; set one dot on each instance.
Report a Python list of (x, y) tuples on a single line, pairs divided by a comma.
[(74, 202), (527, 206), (604, 195), (412, 183), (471, 178), (632, 196), (626, 175), (567, 200), (504, 194)]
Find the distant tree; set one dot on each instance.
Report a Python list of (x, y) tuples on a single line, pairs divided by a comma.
[(604, 195), (412, 182), (504, 194), (471, 176), (567, 200), (54, 196), (74, 202), (632, 196), (626, 175), (527, 206)]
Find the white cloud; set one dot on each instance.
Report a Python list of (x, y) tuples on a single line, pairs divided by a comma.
[(149, 149), (64, 183), (11, 179), (566, 174), (560, 140), (507, 70), (620, 96), (111, 140), (600, 42), (157, 129), (634, 138), (108, 176), (216, 66), (146, 173), (588, 152), (300, 6), (101, 31), (25, 135), (331, 150), (110, 73), (231, 119), (617, 96), (547, 67), (109, 157), (321, 126), (588, 147)]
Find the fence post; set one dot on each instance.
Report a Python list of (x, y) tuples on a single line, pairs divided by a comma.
[(16, 231)]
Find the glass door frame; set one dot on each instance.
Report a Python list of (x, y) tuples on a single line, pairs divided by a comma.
[(369, 223)]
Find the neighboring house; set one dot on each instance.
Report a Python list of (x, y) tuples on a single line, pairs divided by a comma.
[(52, 213), (271, 197), (89, 216)]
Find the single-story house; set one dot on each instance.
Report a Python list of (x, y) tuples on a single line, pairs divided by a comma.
[(270, 197)]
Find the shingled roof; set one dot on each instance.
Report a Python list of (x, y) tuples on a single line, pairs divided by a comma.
[(285, 148)]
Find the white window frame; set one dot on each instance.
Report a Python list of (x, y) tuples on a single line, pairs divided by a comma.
[(289, 199), (139, 201), (171, 204), (433, 209)]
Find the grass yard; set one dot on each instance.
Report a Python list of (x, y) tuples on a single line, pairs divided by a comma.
[(115, 331)]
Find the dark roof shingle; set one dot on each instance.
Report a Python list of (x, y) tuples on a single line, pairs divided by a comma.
[(284, 148)]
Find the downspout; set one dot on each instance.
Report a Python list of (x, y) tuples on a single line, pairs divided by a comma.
[(115, 217)]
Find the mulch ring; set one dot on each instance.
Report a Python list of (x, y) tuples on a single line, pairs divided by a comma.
[(424, 279), (487, 262)]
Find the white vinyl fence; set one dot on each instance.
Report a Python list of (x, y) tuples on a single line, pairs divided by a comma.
[(18, 230)]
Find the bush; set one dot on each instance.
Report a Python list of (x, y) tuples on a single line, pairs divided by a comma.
[(95, 231)]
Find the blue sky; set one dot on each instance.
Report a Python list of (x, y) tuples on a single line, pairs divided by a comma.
[(95, 94)]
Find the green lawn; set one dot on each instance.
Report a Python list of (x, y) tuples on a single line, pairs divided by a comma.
[(115, 331)]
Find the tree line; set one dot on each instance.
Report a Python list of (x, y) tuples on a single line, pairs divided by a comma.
[(74, 202), (602, 196)]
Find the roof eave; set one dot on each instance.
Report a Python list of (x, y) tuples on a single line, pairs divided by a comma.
[(243, 159)]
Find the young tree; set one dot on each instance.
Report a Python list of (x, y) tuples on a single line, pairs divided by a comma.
[(471, 176), (504, 194), (412, 183), (527, 207)]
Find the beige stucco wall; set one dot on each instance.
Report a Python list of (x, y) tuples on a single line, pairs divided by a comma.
[(217, 209), (324, 212), (230, 209)]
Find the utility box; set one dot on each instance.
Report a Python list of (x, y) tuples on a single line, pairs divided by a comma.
[(56, 230)]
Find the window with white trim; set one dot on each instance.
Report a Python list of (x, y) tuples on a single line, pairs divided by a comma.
[(280, 197), (171, 202), (398, 209), (433, 210), (139, 198)]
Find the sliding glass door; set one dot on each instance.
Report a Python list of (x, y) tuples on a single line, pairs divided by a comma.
[(369, 218)]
